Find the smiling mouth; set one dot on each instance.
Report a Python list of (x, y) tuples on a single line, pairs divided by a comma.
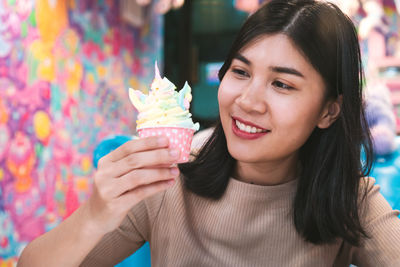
[(247, 130)]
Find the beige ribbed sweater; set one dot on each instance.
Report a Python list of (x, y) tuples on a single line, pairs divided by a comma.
[(250, 225)]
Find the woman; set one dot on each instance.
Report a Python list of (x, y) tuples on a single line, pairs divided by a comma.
[(279, 182)]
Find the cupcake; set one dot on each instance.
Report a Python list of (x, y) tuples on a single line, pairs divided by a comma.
[(164, 111)]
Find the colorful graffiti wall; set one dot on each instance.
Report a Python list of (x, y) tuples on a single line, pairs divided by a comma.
[(387, 27), (65, 67)]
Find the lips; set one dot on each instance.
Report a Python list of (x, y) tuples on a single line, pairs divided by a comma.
[(247, 130)]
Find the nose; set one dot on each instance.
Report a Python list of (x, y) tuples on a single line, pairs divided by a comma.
[(252, 99)]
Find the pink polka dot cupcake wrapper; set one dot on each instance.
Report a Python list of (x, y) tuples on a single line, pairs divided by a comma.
[(179, 138)]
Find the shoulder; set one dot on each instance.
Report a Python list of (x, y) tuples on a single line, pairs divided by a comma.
[(368, 188), (147, 211), (141, 217), (369, 192), (382, 225), (373, 205), (144, 216)]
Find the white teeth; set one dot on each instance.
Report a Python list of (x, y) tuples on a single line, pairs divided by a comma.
[(247, 128)]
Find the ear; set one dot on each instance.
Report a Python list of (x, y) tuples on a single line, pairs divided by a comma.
[(330, 112)]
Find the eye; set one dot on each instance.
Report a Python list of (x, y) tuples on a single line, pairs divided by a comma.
[(240, 72), (281, 85)]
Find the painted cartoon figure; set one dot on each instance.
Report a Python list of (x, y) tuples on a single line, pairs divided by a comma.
[(20, 161), (25, 211)]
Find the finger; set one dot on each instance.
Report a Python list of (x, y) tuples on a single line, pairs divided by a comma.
[(135, 196), (142, 177), (136, 145), (167, 165), (145, 159)]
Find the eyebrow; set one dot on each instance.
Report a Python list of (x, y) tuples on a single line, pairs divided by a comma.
[(287, 70), (278, 69), (243, 59)]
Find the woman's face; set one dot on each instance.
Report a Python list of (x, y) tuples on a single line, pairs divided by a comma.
[(270, 101)]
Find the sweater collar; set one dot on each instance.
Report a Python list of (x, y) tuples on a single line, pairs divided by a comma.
[(262, 192)]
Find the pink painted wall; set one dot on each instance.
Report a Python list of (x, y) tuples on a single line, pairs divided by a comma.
[(65, 68)]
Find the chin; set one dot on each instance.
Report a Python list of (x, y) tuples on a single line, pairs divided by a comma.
[(244, 155)]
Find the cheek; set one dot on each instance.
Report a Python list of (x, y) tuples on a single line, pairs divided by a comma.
[(220, 96), (295, 110), (226, 96), (296, 120)]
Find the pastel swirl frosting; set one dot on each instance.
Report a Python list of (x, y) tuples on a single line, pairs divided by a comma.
[(163, 106)]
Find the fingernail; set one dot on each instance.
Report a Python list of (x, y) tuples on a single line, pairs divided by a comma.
[(162, 141), (174, 171), (174, 153), (171, 182)]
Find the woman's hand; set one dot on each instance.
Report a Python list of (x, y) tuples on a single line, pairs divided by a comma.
[(127, 175)]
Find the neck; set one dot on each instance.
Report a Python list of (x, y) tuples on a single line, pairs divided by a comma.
[(267, 173)]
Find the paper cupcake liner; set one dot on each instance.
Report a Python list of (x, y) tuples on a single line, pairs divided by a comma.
[(179, 138)]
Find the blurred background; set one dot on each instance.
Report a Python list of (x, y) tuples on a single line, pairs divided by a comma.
[(65, 70)]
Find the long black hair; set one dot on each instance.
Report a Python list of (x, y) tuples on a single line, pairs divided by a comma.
[(327, 201)]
